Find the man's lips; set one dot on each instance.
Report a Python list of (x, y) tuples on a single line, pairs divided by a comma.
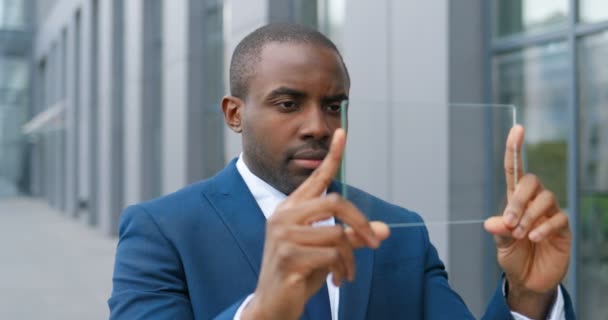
[(307, 163), (309, 159)]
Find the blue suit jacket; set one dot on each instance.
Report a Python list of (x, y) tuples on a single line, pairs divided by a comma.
[(196, 254)]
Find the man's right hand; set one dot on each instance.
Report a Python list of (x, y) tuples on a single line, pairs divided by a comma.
[(297, 256)]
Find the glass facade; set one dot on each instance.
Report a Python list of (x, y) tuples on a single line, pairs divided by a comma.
[(14, 96), (529, 16), (14, 101), (593, 11), (535, 79), (13, 14), (553, 71), (593, 221)]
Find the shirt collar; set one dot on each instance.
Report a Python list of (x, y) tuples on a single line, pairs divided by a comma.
[(266, 196), (262, 191)]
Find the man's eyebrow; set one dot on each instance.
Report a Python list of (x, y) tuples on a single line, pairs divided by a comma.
[(285, 91), (335, 98)]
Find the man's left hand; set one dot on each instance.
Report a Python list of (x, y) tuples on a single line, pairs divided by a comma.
[(532, 236)]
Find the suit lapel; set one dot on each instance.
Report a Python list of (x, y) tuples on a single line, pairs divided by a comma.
[(354, 296), (241, 214)]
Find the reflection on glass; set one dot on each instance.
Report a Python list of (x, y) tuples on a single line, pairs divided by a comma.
[(536, 79), (13, 109), (12, 14), (593, 10), (593, 222), (522, 16)]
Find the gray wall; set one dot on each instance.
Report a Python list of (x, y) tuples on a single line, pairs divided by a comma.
[(143, 100), (133, 100), (401, 58), (250, 15), (192, 132)]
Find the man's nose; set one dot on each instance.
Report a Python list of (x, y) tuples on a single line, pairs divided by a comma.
[(314, 124)]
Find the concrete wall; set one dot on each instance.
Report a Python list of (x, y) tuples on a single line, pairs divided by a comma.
[(243, 16), (175, 93), (133, 100), (110, 114), (193, 130)]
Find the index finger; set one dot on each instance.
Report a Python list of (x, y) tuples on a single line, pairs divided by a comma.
[(325, 173), (513, 162)]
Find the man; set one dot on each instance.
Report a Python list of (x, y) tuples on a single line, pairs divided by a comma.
[(260, 240)]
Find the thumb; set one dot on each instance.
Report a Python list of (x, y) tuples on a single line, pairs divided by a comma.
[(381, 230), (502, 233)]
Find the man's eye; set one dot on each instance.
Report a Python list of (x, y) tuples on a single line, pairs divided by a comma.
[(287, 105), (334, 108)]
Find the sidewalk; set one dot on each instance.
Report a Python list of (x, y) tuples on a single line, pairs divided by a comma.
[(52, 266)]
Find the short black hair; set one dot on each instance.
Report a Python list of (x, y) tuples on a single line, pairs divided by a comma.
[(247, 53)]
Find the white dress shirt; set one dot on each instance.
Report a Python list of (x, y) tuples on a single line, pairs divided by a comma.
[(268, 199)]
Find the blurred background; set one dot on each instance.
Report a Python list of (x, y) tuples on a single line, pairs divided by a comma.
[(105, 103)]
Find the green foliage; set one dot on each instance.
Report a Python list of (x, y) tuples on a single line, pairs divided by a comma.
[(549, 161)]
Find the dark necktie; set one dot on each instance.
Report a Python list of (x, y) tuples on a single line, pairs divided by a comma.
[(318, 307)]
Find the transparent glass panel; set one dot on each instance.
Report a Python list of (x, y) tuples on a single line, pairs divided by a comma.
[(536, 78), (525, 16), (442, 161), (404, 170), (593, 220), (592, 10)]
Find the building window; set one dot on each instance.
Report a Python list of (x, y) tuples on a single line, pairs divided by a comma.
[(593, 222), (529, 16), (531, 51), (13, 14), (591, 11), (535, 79)]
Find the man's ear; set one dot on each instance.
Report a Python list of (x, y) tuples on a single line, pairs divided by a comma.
[(233, 108)]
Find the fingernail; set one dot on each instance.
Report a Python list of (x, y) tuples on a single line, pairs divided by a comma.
[(519, 232), (535, 236), (510, 218)]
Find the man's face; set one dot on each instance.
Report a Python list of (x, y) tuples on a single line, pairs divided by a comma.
[(291, 112)]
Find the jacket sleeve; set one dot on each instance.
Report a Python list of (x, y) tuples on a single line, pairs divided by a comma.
[(441, 302), (499, 309), (149, 280)]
